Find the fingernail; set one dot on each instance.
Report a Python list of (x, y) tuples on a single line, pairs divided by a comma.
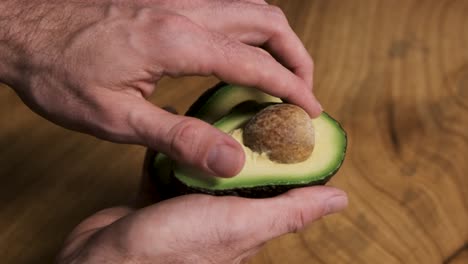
[(225, 160), (336, 204)]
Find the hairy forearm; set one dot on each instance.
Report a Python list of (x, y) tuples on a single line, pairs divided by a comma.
[(22, 25), (10, 40), (27, 29)]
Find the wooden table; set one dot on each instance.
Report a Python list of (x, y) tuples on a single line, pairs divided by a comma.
[(395, 73)]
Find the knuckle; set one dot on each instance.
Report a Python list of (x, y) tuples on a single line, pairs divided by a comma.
[(293, 220), (295, 215), (226, 46), (289, 222), (276, 12), (260, 2), (276, 15), (260, 78), (253, 67), (228, 51), (170, 22), (107, 125), (286, 90), (185, 139), (309, 63), (262, 56), (299, 222)]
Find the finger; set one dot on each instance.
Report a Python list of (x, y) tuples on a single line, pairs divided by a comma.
[(99, 220), (285, 45), (212, 53), (293, 210), (88, 228), (246, 65), (257, 23), (122, 117), (263, 2), (187, 140), (289, 50)]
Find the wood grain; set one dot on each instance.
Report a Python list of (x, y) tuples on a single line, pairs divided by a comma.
[(395, 73)]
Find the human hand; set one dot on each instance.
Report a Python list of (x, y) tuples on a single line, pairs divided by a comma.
[(196, 228), (90, 65)]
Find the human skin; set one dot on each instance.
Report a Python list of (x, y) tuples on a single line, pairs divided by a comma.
[(90, 65), (196, 228)]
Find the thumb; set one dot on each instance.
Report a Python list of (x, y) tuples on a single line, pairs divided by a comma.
[(187, 140), (293, 210)]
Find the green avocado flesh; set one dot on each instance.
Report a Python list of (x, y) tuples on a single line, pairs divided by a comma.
[(258, 170), (260, 177)]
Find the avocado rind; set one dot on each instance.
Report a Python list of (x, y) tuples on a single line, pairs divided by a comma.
[(208, 108), (258, 171), (203, 98), (264, 191), (173, 186)]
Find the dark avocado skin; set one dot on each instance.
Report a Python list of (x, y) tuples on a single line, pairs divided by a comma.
[(265, 191), (177, 188), (195, 107)]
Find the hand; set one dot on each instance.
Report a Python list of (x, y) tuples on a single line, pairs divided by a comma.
[(196, 228), (90, 65)]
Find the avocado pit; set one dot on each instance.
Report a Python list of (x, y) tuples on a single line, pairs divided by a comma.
[(282, 131)]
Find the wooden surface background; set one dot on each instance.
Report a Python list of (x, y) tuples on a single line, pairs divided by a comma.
[(395, 73)]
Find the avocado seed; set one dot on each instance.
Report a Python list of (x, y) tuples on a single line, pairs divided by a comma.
[(283, 131)]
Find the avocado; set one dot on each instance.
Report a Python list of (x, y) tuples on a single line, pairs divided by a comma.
[(229, 108), (221, 99)]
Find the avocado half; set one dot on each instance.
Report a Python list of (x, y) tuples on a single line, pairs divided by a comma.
[(229, 107)]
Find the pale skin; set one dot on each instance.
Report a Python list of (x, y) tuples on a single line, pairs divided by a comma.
[(90, 65), (196, 228)]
